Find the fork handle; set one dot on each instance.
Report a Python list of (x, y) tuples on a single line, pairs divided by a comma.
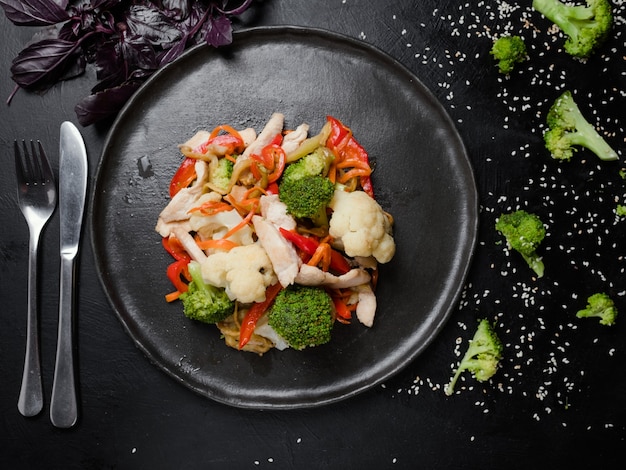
[(30, 401), (64, 403)]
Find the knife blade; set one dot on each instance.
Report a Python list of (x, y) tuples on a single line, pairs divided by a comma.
[(72, 194)]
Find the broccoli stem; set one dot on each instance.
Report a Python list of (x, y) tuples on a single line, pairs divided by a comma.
[(587, 136), (564, 16), (195, 271), (449, 390), (535, 263)]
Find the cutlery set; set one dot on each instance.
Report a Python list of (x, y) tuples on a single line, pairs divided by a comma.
[(37, 199)]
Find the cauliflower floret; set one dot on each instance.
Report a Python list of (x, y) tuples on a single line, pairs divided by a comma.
[(245, 272), (360, 225)]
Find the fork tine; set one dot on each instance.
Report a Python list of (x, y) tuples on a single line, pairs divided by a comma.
[(32, 166), (19, 163), (36, 160), (29, 168), (46, 173)]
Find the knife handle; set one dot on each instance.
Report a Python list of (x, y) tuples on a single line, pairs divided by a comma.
[(64, 403)]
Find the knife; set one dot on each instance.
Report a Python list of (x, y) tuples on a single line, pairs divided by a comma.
[(72, 192)]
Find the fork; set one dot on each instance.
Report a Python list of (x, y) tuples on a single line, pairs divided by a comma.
[(36, 196)]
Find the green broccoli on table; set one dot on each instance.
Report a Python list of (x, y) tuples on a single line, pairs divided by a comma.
[(586, 26), (524, 232), (567, 127), (482, 356), (508, 51), (601, 306)]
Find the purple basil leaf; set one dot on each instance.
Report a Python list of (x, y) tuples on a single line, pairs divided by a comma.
[(104, 104), (176, 9), (153, 25), (44, 62), (173, 52), (104, 4), (108, 66), (138, 54), (73, 68), (218, 31), (190, 27), (35, 12), (117, 61), (237, 10)]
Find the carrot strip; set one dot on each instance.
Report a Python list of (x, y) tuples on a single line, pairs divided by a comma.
[(353, 174), (211, 208), (220, 244), (354, 164), (321, 256), (226, 128), (172, 296)]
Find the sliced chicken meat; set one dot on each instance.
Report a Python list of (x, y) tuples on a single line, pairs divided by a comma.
[(313, 276), (178, 208), (274, 126), (275, 212), (366, 308), (282, 254), (294, 138)]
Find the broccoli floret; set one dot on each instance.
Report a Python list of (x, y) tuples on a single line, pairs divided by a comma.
[(586, 26), (524, 233), (508, 51), (204, 302), (567, 127), (600, 305), (220, 174), (307, 197), (313, 164), (305, 189), (303, 316), (620, 210), (482, 356)]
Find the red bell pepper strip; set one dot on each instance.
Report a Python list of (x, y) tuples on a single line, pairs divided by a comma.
[(279, 158), (306, 244), (184, 176), (338, 133), (344, 314), (338, 263), (179, 267), (342, 142), (272, 158), (175, 248), (272, 188), (255, 312), (175, 271)]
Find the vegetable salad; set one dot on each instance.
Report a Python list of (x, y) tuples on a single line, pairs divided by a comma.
[(281, 214)]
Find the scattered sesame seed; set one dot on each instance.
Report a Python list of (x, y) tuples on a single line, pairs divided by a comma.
[(536, 346)]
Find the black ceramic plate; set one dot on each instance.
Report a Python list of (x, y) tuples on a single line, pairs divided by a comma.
[(422, 176)]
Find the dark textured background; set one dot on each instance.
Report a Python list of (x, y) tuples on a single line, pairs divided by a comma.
[(558, 399)]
